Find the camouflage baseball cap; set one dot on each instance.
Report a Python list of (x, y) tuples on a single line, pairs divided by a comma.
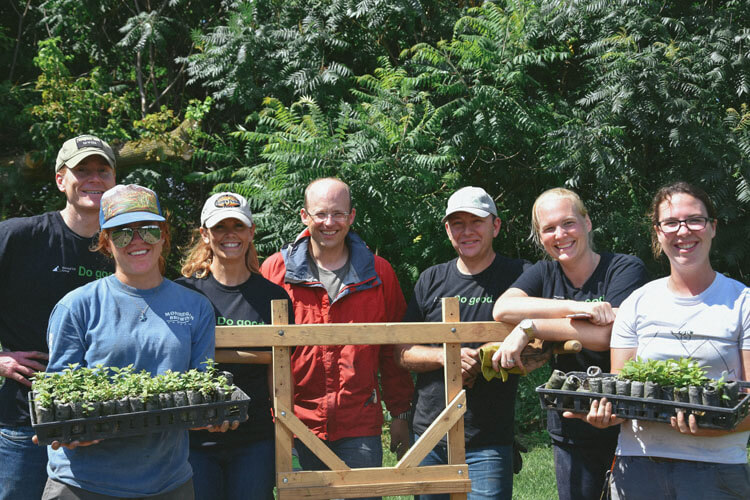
[(76, 149)]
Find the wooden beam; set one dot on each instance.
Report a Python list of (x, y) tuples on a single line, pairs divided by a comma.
[(283, 388), (360, 333), (243, 357), (435, 432), (356, 483), (323, 452), (453, 385)]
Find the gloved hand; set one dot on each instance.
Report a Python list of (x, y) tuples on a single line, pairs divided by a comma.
[(485, 357), (518, 448), (534, 355)]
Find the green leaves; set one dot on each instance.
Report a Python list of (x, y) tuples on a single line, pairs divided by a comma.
[(82, 384), (682, 372)]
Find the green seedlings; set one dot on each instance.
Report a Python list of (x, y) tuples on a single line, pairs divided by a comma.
[(80, 392)]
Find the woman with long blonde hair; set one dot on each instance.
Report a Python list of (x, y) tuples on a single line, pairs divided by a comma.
[(573, 295), (223, 265)]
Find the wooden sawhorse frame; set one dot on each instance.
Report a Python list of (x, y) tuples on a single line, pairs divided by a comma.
[(406, 477)]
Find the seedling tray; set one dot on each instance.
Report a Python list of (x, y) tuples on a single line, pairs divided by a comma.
[(141, 422), (656, 410)]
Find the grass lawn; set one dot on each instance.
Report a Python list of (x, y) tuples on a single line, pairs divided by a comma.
[(535, 482)]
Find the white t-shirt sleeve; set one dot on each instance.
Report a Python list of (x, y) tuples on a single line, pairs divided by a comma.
[(745, 304), (624, 329)]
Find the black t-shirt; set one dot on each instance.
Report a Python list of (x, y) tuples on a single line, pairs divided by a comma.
[(41, 260), (615, 277), (489, 405), (243, 305)]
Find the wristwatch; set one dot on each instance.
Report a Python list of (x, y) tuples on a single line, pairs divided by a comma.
[(527, 326)]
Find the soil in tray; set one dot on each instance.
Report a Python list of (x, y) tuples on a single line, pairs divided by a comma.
[(233, 408), (647, 401)]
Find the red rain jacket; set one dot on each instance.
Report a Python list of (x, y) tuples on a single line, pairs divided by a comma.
[(336, 390)]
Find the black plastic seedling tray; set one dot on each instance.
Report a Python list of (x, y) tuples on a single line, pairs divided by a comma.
[(141, 422), (656, 410)]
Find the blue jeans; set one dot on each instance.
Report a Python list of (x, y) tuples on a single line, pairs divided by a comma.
[(356, 452), (55, 490), (234, 473), (23, 465), (642, 477), (490, 471), (581, 470)]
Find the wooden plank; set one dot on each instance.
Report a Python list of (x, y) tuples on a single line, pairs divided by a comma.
[(323, 452), (243, 357), (435, 432), (360, 333), (453, 385), (374, 482), (283, 388), (378, 490), (372, 475)]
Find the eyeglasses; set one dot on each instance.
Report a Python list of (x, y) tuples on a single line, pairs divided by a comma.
[(336, 216), (692, 223), (123, 236)]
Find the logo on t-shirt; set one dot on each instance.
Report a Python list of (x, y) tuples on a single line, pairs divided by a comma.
[(222, 321), (180, 318), (596, 299), (63, 269), (473, 301), (682, 334)]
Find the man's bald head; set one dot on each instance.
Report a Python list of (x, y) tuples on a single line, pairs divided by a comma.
[(322, 186)]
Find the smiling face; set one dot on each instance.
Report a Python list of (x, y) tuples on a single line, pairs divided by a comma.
[(229, 239), (329, 197), (137, 263), (471, 236), (563, 231), (85, 183), (686, 247)]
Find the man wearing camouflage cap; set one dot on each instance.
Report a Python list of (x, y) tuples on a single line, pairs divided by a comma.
[(42, 258)]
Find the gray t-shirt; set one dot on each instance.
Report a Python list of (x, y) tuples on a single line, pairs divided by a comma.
[(333, 281), (711, 328)]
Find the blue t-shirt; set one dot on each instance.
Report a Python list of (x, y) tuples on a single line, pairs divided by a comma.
[(106, 322)]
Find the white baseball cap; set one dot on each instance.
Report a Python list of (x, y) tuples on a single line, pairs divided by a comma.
[(473, 200), (225, 205)]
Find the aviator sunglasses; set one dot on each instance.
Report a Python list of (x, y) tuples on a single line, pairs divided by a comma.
[(124, 235)]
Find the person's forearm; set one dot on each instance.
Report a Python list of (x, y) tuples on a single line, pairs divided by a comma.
[(592, 337), (514, 309), (419, 358)]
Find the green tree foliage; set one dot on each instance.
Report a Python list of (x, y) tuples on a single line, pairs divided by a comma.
[(308, 47), (384, 147), (69, 105), (407, 100), (658, 86), (138, 42)]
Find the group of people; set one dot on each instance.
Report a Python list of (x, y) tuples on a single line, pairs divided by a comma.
[(63, 303)]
